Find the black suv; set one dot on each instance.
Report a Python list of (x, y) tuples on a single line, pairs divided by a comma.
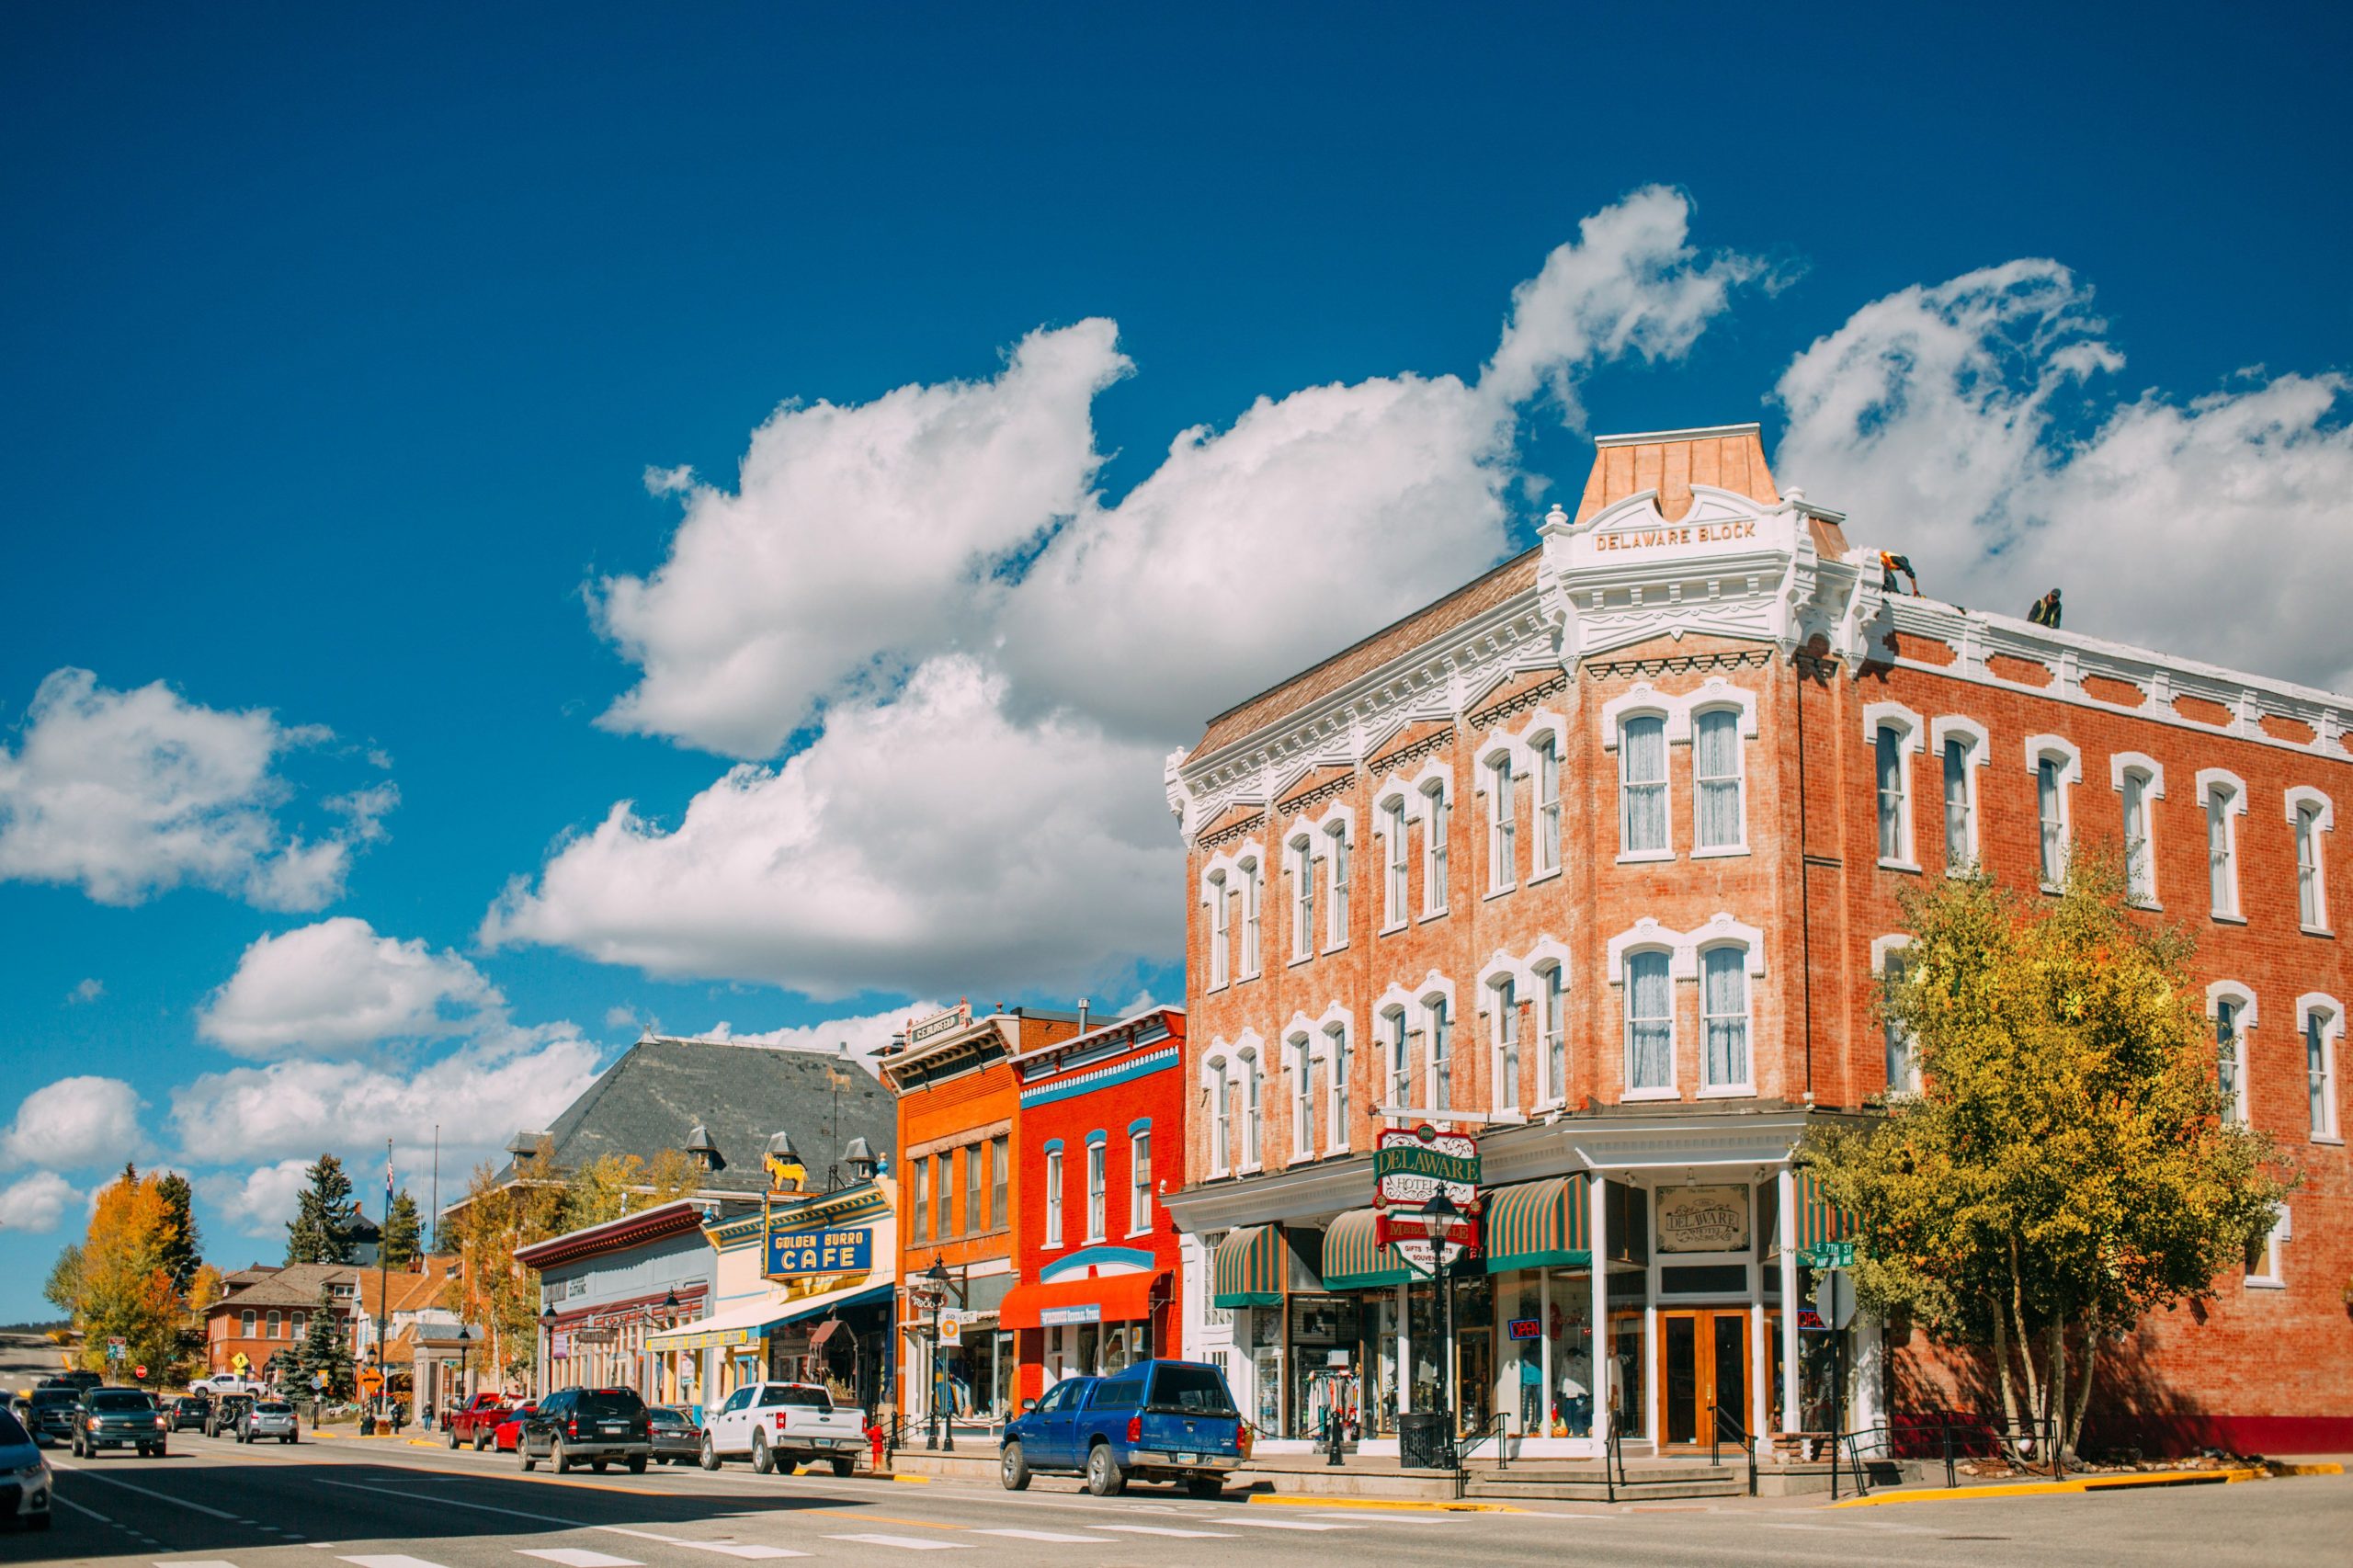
[(53, 1412), (190, 1410), (594, 1425)]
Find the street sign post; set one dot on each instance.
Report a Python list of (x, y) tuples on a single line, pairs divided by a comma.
[(1834, 1298), (117, 1348)]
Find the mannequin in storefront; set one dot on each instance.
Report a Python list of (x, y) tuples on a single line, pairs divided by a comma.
[(1575, 1391)]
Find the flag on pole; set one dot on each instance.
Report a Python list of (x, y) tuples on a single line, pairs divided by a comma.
[(388, 1175)]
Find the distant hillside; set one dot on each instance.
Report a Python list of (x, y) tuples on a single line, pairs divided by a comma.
[(32, 1327)]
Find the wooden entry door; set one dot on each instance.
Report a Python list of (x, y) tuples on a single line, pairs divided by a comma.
[(1703, 1366)]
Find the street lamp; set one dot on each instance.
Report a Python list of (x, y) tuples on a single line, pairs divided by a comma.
[(547, 1349), (943, 1428), (1437, 1220), (465, 1345)]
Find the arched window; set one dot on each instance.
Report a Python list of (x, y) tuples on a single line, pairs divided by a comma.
[(1503, 825), (276, 1324), (1716, 774), (1961, 749), (1435, 819), (1552, 992), (2233, 1006), (1302, 895), (2311, 813), (1221, 957), (1097, 1189), (1902, 1059), (1397, 1057), (1641, 785), (1503, 1002), (2050, 818), (1054, 1193), (2324, 1026), (1724, 1018), (2140, 783), (1302, 1097), (1335, 1047), (1254, 1112), (1548, 803), (1221, 1120), (2224, 799), (1437, 1013), (1336, 858), (1393, 892), (1650, 1023), (1251, 918), (1894, 795)]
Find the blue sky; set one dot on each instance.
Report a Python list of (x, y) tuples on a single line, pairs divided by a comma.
[(342, 361)]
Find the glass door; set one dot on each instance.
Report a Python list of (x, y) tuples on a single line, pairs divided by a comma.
[(1703, 1367)]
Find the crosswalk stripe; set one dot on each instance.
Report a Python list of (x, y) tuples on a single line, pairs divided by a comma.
[(903, 1542), (194, 1562), (1163, 1529), (750, 1550), (573, 1556), (391, 1562), (1288, 1525), (1046, 1535)]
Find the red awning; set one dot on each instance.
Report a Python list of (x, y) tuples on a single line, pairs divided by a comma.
[(1118, 1298)]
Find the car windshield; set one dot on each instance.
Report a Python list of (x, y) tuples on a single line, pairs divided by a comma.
[(611, 1401), (12, 1433), (274, 1407), (121, 1399), (53, 1399), (1189, 1391)]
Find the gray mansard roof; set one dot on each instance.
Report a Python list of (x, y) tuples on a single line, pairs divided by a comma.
[(662, 1089)]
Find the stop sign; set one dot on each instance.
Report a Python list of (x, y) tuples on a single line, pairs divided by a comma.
[(138, 1371)]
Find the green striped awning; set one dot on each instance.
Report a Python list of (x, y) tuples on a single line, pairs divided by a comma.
[(1248, 1269), (1539, 1223), (1822, 1233), (1355, 1257)]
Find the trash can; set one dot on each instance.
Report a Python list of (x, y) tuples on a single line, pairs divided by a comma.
[(1426, 1440)]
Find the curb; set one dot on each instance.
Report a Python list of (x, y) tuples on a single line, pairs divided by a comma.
[(2061, 1488), (1409, 1505)]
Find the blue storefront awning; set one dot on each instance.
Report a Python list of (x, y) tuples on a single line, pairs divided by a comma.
[(870, 1295)]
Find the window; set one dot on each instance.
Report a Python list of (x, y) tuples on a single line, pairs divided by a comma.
[(1302, 1097), (1642, 787), (1220, 1123), (301, 1322), (2221, 849), (1054, 1197), (1503, 826), (1960, 806), (1902, 1063), (1140, 1183), (1220, 958), (1000, 1170), (1392, 909), (1336, 908), (276, 1324), (2230, 1057), (1723, 1017), (2263, 1265), (1253, 1112), (2312, 902), (1507, 1013), (1548, 804), (1715, 762), (2319, 1068), (1894, 800), (1302, 896), (1337, 1040), (1400, 1078), (1650, 1023), (1556, 1033), (975, 1217), (1441, 1054), (1435, 813), (944, 1183), (2051, 817), (1250, 917), (1095, 1153), (921, 1208), (246, 1323), (2140, 854)]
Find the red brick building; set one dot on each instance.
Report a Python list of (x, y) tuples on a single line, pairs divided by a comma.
[(1101, 1133), (1598, 857)]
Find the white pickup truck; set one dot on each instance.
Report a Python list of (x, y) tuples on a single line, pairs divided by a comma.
[(220, 1383), (783, 1425)]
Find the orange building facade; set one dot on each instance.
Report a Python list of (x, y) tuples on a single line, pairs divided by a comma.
[(1597, 859)]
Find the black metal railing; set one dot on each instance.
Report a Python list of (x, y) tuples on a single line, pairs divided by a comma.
[(1613, 1462), (1498, 1426), (1726, 1419)]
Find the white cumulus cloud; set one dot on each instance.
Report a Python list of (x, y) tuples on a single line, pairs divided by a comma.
[(1964, 424), (925, 843), (852, 532), (35, 1203), (858, 1039), (260, 1201), (127, 794), (74, 1123), (335, 985)]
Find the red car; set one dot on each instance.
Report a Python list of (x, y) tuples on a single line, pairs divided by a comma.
[(510, 1429)]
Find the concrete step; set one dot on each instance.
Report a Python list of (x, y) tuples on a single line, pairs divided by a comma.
[(1596, 1489)]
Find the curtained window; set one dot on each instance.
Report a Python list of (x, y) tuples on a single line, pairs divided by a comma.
[(1716, 767), (1641, 762), (1724, 1013), (1650, 1023)]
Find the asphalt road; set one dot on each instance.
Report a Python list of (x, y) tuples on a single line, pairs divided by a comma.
[(354, 1504)]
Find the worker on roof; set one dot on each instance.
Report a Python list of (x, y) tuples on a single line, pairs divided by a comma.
[(1890, 563), (2046, 611)]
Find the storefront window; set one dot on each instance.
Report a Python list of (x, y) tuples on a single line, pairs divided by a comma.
[(1568, 1327), (1426, 1390), (1378, 1328), (1323, 1336), (1474, 1354), (1523, 1355), (1629, 1388)]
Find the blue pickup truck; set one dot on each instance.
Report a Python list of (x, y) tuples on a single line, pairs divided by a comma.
[(1155, 1421)]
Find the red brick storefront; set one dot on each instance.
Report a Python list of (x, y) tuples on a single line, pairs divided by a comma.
[(1102, 1134)]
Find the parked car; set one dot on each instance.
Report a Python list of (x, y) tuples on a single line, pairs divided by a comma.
[(119, 1419), (79, 1381), (225, 1382), (509, 1430), (1155, 1421), (677, 1438), (784, 1424), (26, 1480), (475, 1421), (188, 1410), (221, 1420), (268, 1419), (595, 1425), (55, 1407)]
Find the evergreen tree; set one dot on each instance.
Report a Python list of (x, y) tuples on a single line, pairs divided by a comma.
[(403, 1233), (325, 1210), (327, 1350), (184, 1252)]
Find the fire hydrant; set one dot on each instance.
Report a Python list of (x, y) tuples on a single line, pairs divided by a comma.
[(874, 1440)]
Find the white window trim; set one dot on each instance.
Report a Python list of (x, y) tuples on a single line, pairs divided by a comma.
[(1672, 1090), (1299, 1057), (1337, 827), (1057, 1169), (1250, 922), (2242, 1112), (1881, 949), (2274, 1246), (2058, 749), (1720, 930), (2332, 1036), (1503, 855), (2209, 780), (1978, 749), (1743, 731), (2324, 821), (1396, 1006), (1911, 741), (1299, 859), (1746, 1088), (1546, 726), (1491, 985), (1665, 784), (1099, 1195), (1324, 1042), (1250, 1065), (1392, 817), (2120, 767), (1677, 711), (1139, 1144), (1433, 987), (1431, 795)]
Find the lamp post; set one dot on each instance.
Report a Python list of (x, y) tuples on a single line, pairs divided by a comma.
[(465, 1345), (1437, 1219), (547, 1346), (943, 1428)]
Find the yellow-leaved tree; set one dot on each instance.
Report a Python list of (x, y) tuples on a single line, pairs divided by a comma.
[(2070, 1163), (123, 1286)]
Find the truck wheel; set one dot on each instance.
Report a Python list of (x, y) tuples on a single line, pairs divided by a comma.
[(596, 1465), (453, 1431), (710, 1454), (1013, 1469), (563, 1462), (637, 1465), (844, 1464), (1205, 1486), (1104, 1476), (762, 1462), (481, 1439), (524, 1456)]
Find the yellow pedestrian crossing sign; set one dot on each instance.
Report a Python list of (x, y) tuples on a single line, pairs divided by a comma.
[(239, 1361)]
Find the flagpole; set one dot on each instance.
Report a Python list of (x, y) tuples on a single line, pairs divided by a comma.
[(433, 1238), (384, 1289)]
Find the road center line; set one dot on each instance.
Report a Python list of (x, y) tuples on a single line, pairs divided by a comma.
[(145, 1492), (453, 1503)]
